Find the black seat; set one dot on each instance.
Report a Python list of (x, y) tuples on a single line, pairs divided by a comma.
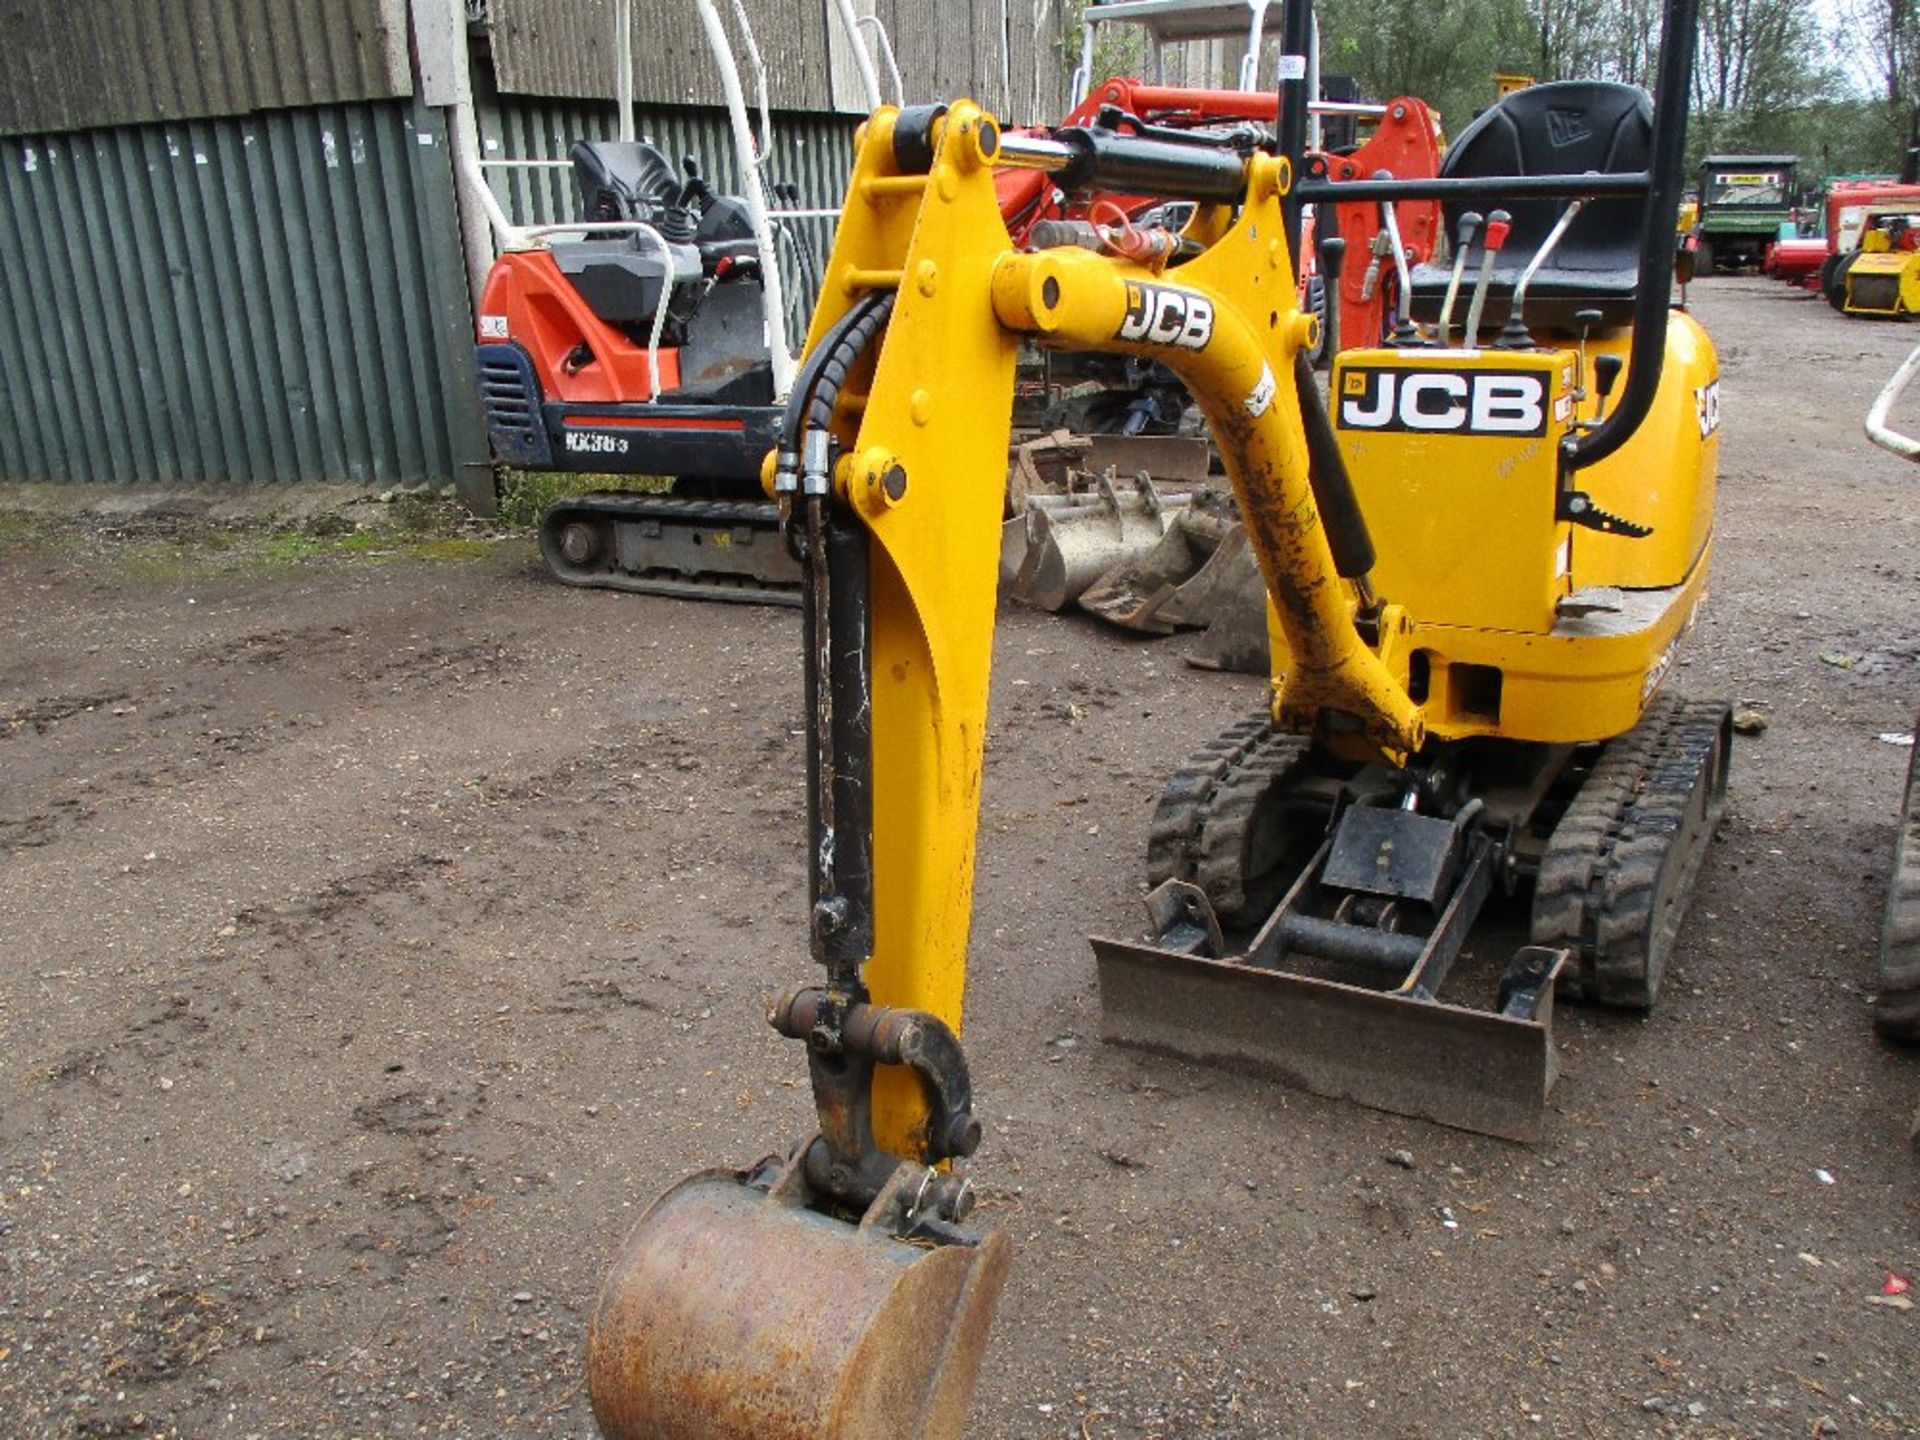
[(631, 180), (1569, 127)]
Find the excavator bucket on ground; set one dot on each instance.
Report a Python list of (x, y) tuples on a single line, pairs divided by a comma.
[(736, 1310)]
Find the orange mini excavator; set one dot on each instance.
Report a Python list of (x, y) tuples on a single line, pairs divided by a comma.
[(643, 352), (642, 340)]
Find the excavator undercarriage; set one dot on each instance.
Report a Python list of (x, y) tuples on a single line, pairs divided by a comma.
[(1299, 904)]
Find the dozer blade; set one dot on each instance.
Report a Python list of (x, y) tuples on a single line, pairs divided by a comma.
[(733, 1312), (1472, 1069)]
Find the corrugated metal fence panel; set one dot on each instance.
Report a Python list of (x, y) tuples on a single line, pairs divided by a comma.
[(271, 298), (80, 66), (565, 48), (812, 153), (1046, 47)]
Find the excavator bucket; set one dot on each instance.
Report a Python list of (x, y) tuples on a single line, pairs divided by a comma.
[(1061, 545), (1202, 576), (1484, 1071), (735, 1311)]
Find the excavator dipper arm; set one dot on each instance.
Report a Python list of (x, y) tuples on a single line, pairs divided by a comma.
[(842, 1290)]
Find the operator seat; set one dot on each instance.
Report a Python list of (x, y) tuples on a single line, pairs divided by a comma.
[(631, 180), (1568, 127)]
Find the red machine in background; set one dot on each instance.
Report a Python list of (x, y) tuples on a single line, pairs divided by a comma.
[(1850, 209), (1797, 262), (1405, 145), (649, 337)]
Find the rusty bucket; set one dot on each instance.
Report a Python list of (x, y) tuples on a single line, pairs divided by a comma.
[(738, 1312)]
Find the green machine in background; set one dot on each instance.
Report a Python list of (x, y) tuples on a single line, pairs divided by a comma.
[(1745, 200)]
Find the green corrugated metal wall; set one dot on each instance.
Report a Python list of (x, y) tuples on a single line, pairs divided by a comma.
[(263, 299), (279, 298)]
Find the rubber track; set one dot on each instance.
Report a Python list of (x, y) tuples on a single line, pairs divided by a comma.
[(1230, 812), (1600, 888), (1173, 840), (639, 505), (758, 515), (1897, 1011)]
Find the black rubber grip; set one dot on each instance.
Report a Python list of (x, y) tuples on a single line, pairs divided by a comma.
[(1333, 265)]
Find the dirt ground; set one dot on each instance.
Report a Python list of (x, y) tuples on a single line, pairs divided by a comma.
[(380, 931)]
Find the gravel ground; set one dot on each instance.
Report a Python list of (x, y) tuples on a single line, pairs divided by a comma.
[(380, 932)]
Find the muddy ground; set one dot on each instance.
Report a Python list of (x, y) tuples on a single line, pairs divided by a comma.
[(381, 929)]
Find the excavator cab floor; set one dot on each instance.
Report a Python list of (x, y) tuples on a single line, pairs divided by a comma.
[(736, 1310)]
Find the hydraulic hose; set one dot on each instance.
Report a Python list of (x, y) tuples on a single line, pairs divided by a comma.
[(793, 418), (838, 679), (841, 353)]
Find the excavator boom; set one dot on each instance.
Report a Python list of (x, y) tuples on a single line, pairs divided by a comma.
[(889, 476)]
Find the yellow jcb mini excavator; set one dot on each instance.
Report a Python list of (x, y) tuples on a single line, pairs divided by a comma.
[(1476, 706)]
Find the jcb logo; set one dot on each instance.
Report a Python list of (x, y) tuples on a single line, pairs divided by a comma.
[(1167, 317), (1480, 402), (1706, 401)]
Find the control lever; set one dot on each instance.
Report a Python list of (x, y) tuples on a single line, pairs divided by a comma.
[(1333, 263), (1584, 321), (1515, 336), (1470, 224), (1576, 506), (1606, 375), (1685, 263), (1404, 332), (1494, 241), (696, 192)]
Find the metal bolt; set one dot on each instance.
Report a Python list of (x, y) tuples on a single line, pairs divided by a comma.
[(830, 914)]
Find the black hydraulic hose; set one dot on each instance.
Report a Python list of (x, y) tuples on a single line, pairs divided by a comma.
[(838, 680), (1296, 42), (842, 353), (1333, 493), (1653, 297), (793, 418)]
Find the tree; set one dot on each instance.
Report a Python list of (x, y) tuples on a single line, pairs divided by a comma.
[(1885, 49), (1445, 54)]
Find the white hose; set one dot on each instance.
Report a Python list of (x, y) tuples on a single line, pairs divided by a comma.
[(863, 62), (773, 301), (1878, 431), (759, 80), (879, 28)]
